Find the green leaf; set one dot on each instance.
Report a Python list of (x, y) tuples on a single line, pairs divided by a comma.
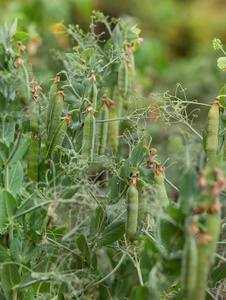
[(84, 248), (20, 149), (7, 206), (9, 131), (137, 154), (115, 189), (75, 61), (111, 233), (63, 293), (16, 174), (222, 99), (95, 223), (10, 278), (4, 253), (116, 40), (217, 275), (171, 230), (13, 28), (86, 54), (21, 35), (16, 250), (26, 204), (27, 294), (4, 152), (188, 189), (121, 288), (139, 292)]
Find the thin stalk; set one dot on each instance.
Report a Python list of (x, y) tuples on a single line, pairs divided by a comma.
[(106, 277), (194, 130), (220, 257), (97, 201), (137, 265), (172, 185)]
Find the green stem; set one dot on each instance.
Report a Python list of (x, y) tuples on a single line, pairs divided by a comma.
[(106, 277), (14, 297), (137, 265), (194, 130), (172, 185), (220, 257)]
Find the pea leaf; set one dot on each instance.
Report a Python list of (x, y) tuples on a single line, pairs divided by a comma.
[(139, 292), (20, 148), (15, 178), (13, 28), (188, 189), (10, 278), (75, 61), (137, 154), (7, 206), (21, 35), (111, 233), (84, 248), (63, 291)]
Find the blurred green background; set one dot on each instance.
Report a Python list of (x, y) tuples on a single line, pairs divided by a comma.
[(177, 44)]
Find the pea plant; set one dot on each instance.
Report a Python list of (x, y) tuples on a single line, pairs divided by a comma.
[(86, 208)]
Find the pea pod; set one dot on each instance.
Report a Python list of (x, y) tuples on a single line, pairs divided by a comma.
[(113, 129), (55, 117), (93, 91), (123, 79), (213, 224), (33, 158), (189, 267), (24, 87), (59, 135), (34, 117), (212, 130), (160, 187), (104, 115), (142, 212), (202, 270), (52, 97), (132, 212), (88, 135), (117, 99)]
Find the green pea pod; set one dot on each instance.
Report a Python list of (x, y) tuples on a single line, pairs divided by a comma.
[(104, 115), (161, 189), (93, 94), (189, 267), (117, 99), (130, 83), (59, 136), (24, 87), (123, 79), (55, 117), (142, 212), (33, 158), (88, 135), (34, 118), (213, 224), (132, 213), (212, 130), (202, 272), (52, 98), (113, 129)]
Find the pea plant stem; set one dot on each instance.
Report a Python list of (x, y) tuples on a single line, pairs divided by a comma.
[(137, 265), (94, 283)]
